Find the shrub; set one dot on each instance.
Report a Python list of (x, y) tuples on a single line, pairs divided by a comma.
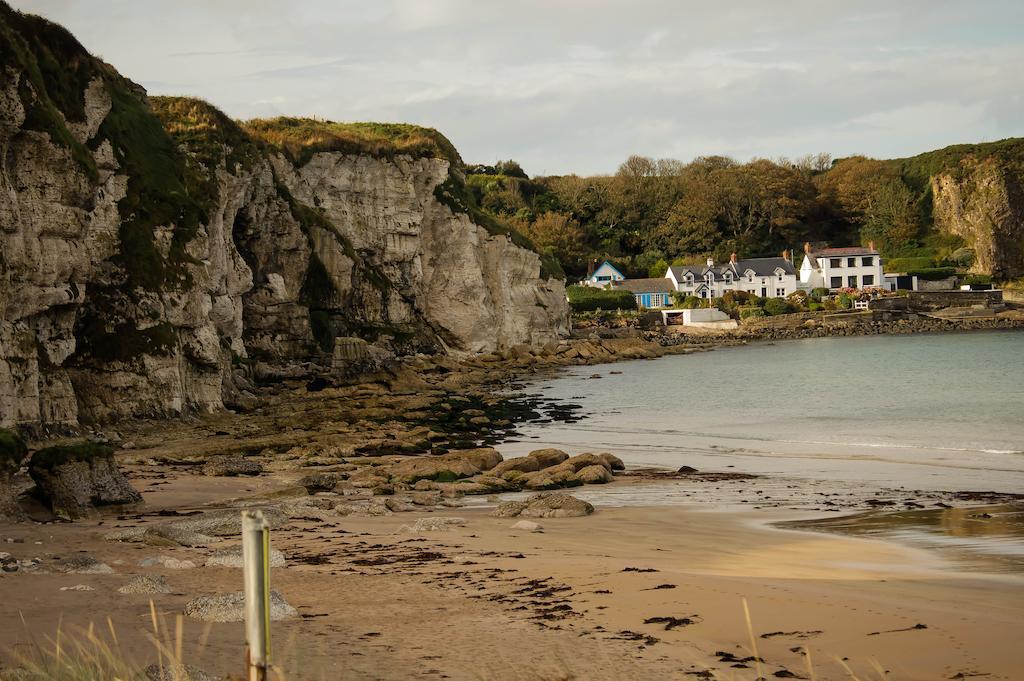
[(819, 293), (978, 279), (776, 306), (751, 312), (588, 298), (907, 264), (690, 302), (845, 301), (933, 273), (815, 307)]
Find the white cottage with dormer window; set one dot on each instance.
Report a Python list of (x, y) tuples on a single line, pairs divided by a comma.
[(856, 267), (764, 277), (605, 275)]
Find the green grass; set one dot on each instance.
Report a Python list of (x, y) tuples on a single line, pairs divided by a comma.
[(905, 264), (300, 138), (57, 70)]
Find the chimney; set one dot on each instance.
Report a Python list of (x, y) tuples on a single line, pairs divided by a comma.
[(785, 255), (711, 261), (732, 258), (871, 245), (807, 247)]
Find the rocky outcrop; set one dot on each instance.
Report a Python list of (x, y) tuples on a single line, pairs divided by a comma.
[(983, 203), (156, 259), (75, 479)]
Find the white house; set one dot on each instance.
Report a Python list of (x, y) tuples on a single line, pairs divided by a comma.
[(833, 268), (764, 277), (603, 276), (649, 293)]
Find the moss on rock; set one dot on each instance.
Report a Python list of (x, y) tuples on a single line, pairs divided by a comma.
[(12, 451), (58, 455)]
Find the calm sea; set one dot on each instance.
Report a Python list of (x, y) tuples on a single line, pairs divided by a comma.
[(927, 411)]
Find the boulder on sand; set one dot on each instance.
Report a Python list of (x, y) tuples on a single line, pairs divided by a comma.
[(445, 468), (230, 607), (581, 461), (548, 457), (73, 479), (522, 464), (231, 466), (319, 482), (594, 475), (232, 557), (614, 462), (544, 506), (146, 584)]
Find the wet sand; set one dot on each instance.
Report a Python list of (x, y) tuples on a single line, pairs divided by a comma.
[(629, 592)]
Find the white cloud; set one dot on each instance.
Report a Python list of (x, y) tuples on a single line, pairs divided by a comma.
[(577, 85)]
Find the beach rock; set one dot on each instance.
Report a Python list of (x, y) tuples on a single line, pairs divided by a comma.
[(146, 584), (74, 479), (173, 671), (445, 468), (548, 457), (489, 484), (522, 464), (167, 562), (509, 509), (173, 535), (555, 506), (82, 564), (398, 506), (686, 469), (12, 453), (528, 526), (230, 607), (369, 508), (426, 498), (581, 461), (434, 525), (319, 482), (78, 587), (129, 534), (232, 557), (594, 475), (614, 462), (484, 458), (231, 466)]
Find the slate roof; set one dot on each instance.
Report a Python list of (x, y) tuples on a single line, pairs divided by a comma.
[(763, 267), (850, 250), (654, 285), (839, 253)]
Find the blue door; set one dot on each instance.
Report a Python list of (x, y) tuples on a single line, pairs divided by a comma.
[(645, 299)]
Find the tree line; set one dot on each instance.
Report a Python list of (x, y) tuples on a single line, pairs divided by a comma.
[(656, 212)]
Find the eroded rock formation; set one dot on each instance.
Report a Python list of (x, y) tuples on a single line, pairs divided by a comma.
[(155, 258)]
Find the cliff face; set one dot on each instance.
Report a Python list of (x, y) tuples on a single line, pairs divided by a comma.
[(155, 266), (983, 203)]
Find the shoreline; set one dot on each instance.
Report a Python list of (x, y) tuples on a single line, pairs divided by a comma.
[(578, 596)]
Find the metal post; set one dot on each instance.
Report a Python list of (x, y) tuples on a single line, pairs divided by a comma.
[(256, 572)]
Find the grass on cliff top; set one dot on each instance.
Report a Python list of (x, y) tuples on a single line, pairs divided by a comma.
[(917, 171), (300, 138), (206, 132)]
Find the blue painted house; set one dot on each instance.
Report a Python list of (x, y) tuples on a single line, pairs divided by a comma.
[(649, 293), (603, 276)]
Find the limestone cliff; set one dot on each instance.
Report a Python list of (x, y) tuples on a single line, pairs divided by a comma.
[(155, 257), (982, 201)]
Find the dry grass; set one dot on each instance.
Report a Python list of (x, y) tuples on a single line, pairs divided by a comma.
[(300, 138)]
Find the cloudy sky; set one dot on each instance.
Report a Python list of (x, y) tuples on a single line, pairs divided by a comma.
[(578, 85)]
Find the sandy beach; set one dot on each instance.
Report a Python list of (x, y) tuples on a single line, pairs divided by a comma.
[(632, 592)]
